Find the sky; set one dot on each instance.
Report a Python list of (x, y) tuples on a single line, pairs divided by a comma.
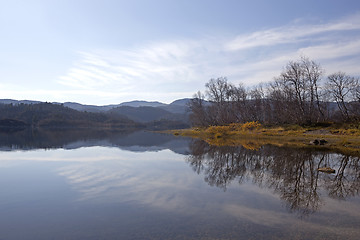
[(110, 51)]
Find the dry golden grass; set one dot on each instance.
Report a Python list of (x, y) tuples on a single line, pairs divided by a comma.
[(252, 136)]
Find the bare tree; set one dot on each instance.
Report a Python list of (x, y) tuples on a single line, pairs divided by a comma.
[(198, 116), (341, 87), (312, 73), (219, 92), (300, 84), (239, 100), (258, 104), (355, 104), (283, 102), (295, 96)]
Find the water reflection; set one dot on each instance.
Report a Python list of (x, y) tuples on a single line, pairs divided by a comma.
[(138, 141), (290, 173), (113, 185)]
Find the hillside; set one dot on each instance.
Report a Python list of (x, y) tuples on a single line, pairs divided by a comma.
[(87, 108), (55, 115), (141, 114), (137, 103), (155, 115), (177, 106)]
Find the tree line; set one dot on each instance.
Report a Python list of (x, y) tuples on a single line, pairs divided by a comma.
[(299, 95)]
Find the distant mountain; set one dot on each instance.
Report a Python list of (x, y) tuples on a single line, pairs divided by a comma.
[(178, 106), (157, 115), (11, 101), (142, 114), (137, 103), (59, 116), (88, 108), (181, 102)]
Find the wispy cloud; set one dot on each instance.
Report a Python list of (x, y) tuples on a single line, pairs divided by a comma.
[(291, 34), (173, 69), (160, 68)]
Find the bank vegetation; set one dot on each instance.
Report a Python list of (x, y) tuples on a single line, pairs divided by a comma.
[(298, 106)]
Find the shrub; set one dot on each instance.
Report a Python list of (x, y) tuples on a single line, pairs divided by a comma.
[(235, 126), (218, 131), (251, 125)]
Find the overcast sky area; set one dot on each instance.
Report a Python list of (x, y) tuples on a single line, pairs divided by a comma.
[(110, 51)]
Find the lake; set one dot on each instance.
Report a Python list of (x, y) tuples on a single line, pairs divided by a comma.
[(142, 185)]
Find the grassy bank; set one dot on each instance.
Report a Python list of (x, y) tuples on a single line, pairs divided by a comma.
[(252, 135)]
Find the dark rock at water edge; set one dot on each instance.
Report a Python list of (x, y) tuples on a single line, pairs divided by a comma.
[(318, 142)]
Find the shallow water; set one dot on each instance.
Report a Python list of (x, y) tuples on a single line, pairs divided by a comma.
[(106, 185)]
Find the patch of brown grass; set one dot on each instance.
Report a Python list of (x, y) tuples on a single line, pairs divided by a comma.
[(253, 135)]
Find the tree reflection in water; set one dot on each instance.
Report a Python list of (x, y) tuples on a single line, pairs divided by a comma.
[(291, 173)]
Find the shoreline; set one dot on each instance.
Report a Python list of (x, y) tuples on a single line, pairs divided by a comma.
[(342, 141)]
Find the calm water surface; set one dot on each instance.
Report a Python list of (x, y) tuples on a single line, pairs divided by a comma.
[(114, 185)]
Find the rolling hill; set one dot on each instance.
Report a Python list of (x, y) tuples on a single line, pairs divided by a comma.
[(59, 116), (154, 115)]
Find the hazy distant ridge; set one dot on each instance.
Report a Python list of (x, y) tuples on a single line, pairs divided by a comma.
[(157, 114)]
